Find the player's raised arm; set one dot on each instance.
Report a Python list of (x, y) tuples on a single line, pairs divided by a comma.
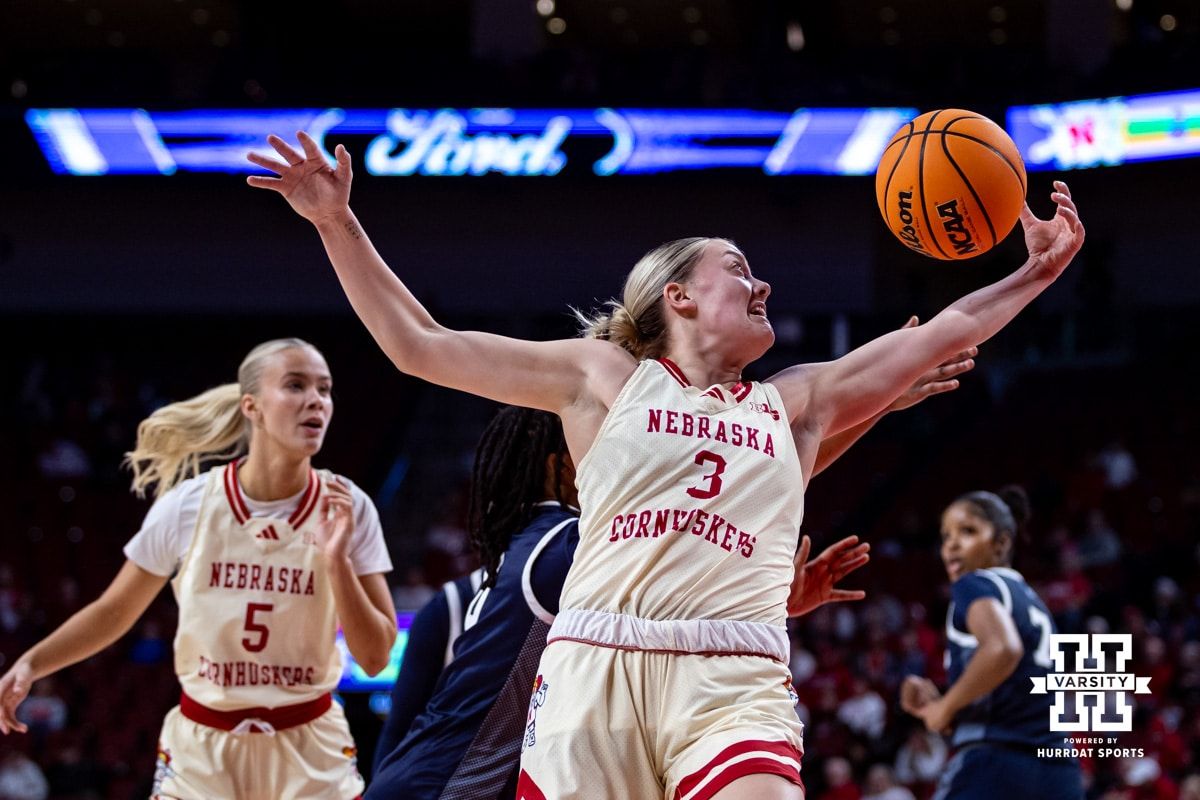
[(546, 375), (831, 397)]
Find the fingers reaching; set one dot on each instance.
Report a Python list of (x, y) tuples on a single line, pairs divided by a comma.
[(267, 163), (802, 555), (311, 150), (284, 149)]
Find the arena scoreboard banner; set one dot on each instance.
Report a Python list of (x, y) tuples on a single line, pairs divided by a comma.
[(524, 142), (1102, 133), (599, 141)]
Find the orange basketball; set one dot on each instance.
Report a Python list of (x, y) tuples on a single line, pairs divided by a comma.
[(950, 184)]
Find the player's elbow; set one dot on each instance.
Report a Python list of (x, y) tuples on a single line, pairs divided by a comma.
[(1008, 653), (374, 664)]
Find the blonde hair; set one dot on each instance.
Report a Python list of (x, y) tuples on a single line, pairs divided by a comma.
[(637, 322), (177, 440)]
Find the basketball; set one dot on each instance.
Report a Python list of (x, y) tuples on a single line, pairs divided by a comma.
[(950, 184)]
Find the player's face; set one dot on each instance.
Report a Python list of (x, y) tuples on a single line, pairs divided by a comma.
[(969, 541), (295, 402), (730, 302)]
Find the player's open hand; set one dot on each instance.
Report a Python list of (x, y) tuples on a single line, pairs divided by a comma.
[(942, 378), (1054, 242), (336, 522), (14, 688), (314, 189), (815, 581)]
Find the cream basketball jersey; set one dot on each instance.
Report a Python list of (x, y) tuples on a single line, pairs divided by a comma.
[(256, 612), (692, 500)]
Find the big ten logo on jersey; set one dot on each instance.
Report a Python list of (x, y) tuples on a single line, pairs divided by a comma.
[(1091, 689)]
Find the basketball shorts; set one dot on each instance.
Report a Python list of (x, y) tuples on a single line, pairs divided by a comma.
[(989, 771), (681, 717), (200, 762)]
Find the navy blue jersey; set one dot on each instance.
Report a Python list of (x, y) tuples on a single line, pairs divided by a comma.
[(1009, 713), (468, 739), (429, 648)]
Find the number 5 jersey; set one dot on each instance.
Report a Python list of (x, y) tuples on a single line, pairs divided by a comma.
[(257, 620)]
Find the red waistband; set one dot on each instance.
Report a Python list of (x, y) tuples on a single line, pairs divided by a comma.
[(279, 718)]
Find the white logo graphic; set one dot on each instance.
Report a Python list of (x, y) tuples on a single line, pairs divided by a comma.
[(1098, 686)]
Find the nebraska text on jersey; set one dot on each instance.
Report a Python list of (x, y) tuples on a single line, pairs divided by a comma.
[(257, 577), (681, 423), (651, 524)]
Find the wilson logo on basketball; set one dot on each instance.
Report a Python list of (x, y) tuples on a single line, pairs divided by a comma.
[(955, 227), (908, 234)]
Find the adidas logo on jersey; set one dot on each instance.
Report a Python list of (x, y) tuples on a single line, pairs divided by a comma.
[(268, 533)]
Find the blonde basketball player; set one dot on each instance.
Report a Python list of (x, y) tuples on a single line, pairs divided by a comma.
[(268, 556), (665, 674)]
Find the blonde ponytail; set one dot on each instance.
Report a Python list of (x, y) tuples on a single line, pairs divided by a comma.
[(178, 440), (637, 323)]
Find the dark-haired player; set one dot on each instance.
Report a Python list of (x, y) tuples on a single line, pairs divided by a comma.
[(998, 637)]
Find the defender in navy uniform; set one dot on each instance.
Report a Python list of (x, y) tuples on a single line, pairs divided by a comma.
[(429, 649), (523, 522), (998, 637)]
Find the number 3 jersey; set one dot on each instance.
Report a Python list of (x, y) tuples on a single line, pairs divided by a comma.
[(692, 500)]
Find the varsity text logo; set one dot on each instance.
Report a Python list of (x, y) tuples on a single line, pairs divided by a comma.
[(1095, 682)]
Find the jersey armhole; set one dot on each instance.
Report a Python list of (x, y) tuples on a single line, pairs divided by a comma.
[(531, 600), (454, 607)]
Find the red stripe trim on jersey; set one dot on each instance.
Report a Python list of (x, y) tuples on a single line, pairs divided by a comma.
[(716, 393), (750, 766), (307, 503), (280, 718), (233, 492), (741, 390), (632, 649), (676, 373)]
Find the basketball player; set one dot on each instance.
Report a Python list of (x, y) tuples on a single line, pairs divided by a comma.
[(507, 490), (665, 674), (268, 556), (998, 637), (468, 739)]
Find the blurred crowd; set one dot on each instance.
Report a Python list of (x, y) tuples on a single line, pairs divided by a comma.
[(1112, 547)]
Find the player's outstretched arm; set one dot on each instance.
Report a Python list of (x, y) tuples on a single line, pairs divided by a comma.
[(87, 632), (998, 654), (939, 380), (545, 375), (831, 397)]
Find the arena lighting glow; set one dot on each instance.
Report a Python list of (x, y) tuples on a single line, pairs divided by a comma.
[(451, 142), (1096, 133), (355, 679)]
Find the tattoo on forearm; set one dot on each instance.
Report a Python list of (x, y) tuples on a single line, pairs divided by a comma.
[(353, 229)]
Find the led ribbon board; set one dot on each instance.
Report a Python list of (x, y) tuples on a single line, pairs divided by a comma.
[(1104, 133), (528, 142)]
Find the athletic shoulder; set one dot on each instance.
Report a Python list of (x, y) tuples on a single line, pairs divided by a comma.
[(794, 385)]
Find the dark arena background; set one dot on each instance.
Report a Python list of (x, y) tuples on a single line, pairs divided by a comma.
[(136, 267)]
